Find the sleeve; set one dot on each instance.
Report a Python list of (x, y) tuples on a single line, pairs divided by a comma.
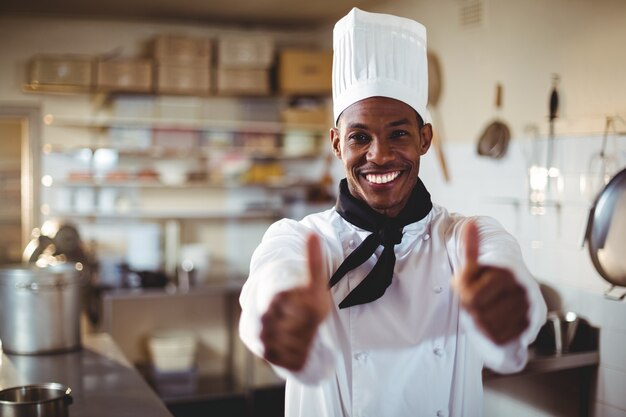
[(279, 263), (499, 248)]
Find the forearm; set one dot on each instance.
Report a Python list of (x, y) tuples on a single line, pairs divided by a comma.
[(501, 329), (274, 302)]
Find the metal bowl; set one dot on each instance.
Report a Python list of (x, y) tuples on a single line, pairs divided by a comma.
[(38, 400)]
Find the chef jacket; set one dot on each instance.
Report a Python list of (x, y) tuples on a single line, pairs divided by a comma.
[(414, 351)]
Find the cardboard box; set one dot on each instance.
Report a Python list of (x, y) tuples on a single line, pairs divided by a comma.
[(245, 52), (61, 70), (306, 116), (176, 77), (182, 48), (305, 72), (133, 75), (237, 81)]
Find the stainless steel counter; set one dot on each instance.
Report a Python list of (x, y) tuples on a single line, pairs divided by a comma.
[(103, 382)]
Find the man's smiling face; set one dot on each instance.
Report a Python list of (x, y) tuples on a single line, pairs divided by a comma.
[(380, 142)]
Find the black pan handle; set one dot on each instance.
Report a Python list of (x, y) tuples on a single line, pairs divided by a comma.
[(554, 98)]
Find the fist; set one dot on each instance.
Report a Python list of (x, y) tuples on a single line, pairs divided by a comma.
[(293, 316), (491, 295)]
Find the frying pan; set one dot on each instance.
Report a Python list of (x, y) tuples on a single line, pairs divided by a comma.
[(495, 138), (606, 232)]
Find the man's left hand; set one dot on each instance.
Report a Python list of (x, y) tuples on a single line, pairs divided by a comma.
[(491, 295)]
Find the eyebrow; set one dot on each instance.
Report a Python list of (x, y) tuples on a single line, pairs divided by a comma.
[(390, 124)]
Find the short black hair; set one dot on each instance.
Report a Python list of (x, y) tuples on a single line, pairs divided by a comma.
[(420, 120)]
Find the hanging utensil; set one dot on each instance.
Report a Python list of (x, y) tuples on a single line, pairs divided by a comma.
[(434, 93), (553, 114), (601, 167), (495, 139)]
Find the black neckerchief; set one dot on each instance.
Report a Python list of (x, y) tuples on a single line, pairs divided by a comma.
[(386, 231)]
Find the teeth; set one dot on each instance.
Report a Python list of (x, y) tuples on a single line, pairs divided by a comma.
[(382, 178)]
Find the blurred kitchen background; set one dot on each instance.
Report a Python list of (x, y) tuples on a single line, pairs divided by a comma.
[(154, 142)]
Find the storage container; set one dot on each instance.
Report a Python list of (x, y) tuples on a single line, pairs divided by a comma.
[(182, 48), (40, 308), (245, 52), (181, 140), (50, 71), (172, 350), (236, 81), (305, 72), (307, 116), (38, 400), (132, 75), (178, 77)]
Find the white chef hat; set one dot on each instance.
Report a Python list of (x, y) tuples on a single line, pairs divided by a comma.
[(379, 55)]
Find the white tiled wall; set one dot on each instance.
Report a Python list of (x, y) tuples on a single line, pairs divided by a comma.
[(551, 243)]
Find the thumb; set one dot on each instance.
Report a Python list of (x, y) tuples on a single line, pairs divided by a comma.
[(471, 243), (315, 265)]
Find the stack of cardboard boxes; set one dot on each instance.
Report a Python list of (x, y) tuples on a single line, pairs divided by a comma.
[(243, 65), (182, 65), (305, 73), (124, 74)]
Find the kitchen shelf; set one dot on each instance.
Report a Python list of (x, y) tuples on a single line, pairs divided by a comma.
[(212, 286), (177, 123), (199, 152), (541, 363), (173, 215), (274, 185)]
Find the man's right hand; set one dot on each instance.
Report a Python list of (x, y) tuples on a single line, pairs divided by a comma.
[(292, 319)]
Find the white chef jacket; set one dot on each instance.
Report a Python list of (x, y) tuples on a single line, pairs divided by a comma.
[(413, 352)]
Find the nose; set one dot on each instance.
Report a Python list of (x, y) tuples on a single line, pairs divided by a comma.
[(379, 152)]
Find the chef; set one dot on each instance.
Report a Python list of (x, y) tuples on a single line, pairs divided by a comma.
[(386, 304)]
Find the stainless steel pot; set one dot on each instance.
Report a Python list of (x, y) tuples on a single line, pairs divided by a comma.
[(40, 309), (39, 400)]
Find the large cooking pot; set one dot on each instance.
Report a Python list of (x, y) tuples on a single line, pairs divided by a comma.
[(39, 400), (606, 232), (40, 308)]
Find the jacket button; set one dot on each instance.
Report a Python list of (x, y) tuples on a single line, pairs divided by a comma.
[(440, 413), (426, 236), (437, 289)]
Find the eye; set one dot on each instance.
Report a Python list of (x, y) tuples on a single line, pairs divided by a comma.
[(358, 137), (399, 133)]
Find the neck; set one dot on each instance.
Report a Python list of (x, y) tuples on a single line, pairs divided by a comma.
[(388, 211)]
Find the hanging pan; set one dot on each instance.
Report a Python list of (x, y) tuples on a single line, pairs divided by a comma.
[(495, 138), (606, 233)]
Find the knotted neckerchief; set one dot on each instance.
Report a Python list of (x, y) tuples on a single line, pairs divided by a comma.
[(386, 231)]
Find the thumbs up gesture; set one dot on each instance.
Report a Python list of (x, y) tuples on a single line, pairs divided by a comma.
[(293, 316), (491, 295)]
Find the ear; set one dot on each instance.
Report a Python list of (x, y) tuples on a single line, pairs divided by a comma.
[(335, 141), (426, 137)]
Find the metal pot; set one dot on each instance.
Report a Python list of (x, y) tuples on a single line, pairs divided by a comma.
[(40, 309), (40, 400)]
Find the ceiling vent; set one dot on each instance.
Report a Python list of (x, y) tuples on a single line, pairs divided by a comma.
[(471, 13)]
